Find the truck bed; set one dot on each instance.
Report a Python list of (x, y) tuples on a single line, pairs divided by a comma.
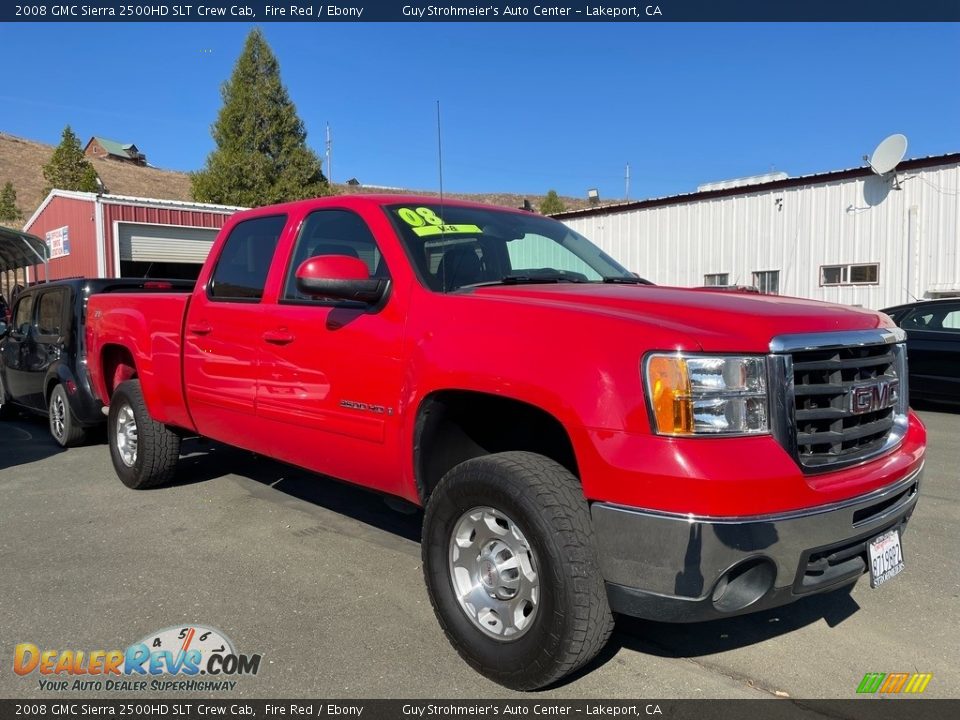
[(149, 327)]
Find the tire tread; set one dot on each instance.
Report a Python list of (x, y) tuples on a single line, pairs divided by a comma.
[(559, 496)]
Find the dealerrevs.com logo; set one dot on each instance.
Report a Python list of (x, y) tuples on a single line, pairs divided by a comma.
[(193, 658)]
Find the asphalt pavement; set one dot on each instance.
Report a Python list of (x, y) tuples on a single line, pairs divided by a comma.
[(324, 581)]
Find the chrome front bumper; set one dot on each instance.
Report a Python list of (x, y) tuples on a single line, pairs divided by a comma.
[(680, 568)]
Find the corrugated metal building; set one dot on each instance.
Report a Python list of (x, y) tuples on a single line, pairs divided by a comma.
[(848, 236), (92, 235)]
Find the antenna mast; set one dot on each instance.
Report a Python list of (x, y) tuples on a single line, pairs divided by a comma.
[(627, 181), (440, 155)]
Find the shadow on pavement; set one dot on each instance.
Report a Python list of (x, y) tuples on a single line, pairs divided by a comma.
[(203, 460), (25, 439)]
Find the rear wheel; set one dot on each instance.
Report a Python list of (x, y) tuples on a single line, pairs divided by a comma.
[(63, 426), (144, 452), (511, 569)]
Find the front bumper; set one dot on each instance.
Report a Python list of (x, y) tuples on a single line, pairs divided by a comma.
[(685, 568)]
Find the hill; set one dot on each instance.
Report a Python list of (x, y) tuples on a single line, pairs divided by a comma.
[(22, 161)]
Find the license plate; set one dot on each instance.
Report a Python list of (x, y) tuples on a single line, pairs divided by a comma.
[(886, 558)]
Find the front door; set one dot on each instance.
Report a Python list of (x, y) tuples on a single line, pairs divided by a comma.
[(330, 372), (17, 349)]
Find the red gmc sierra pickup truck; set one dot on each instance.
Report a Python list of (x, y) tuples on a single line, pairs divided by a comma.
[(582, 441)]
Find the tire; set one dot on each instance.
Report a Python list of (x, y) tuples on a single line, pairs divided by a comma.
[(144, 452), (544, 521), (64, 428)]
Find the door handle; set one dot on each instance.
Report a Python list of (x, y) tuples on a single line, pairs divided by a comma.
[(278, 337), (200, 328)]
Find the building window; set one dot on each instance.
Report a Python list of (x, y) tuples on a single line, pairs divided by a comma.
[(858, 274), (714, 279), (767, 281)]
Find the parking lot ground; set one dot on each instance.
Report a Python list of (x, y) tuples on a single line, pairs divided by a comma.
[(325, 581)]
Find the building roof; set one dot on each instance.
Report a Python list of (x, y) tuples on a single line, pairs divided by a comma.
[(113, 147), (776, 184), (129, 200)]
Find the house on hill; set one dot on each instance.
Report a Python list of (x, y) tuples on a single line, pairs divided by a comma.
[(102, 148)]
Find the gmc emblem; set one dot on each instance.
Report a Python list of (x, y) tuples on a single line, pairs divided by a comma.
[(875, 396)]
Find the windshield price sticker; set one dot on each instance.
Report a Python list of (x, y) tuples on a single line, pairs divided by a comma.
[(426, 223)]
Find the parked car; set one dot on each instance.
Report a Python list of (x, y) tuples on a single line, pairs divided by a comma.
[(43, 352), (582, 442), (933, 345)]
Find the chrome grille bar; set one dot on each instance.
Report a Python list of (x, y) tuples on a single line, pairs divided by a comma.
[(838, 399)]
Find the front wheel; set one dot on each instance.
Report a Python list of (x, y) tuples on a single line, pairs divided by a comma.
[(144, 452), (511, 569), (63, 426)]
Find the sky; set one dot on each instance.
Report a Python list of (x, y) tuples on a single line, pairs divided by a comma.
[(524, 107)]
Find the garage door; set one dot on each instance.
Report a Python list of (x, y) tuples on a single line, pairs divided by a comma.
[(163, 243)]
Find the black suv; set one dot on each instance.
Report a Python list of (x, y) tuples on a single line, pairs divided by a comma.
[(43, 352)]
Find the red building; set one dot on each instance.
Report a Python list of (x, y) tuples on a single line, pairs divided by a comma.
[(91, 235)]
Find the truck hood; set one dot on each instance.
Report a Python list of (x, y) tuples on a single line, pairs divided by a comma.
[(716, 320)]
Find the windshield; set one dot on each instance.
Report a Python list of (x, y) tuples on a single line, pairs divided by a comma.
[(455, 247)]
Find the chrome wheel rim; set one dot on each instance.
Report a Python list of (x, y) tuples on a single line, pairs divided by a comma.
[(127, 436), (58, 415), (494, 573)]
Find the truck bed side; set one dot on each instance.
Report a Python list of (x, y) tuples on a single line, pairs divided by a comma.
[(140, 335)]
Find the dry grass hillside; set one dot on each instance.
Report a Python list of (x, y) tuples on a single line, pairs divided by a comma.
[(22, 161)]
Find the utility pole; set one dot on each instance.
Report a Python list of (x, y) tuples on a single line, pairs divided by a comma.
[(329, 146)]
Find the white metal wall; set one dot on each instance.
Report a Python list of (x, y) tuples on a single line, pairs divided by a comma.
[(913, 233)]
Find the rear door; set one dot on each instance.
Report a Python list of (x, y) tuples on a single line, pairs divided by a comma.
[(933, 349), (223, 332)]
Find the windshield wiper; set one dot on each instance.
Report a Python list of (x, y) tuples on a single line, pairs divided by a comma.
[(533, 278), (625, 280), (524, 278)]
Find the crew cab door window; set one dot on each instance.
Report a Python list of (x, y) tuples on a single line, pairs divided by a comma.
[(333, 232), (50, 319), (244, 262), (23, 315)]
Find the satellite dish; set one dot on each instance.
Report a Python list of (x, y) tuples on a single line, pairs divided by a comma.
[(888, 154)]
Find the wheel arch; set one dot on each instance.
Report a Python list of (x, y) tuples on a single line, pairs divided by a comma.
[(453, 426), (117, 365)]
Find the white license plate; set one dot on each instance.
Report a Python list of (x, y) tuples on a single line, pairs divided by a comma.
[(886, 558)]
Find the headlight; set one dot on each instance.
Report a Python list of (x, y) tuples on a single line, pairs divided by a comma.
[(703, 395)]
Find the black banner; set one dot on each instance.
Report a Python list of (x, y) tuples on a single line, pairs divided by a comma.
[(189, 709), (480, 11)]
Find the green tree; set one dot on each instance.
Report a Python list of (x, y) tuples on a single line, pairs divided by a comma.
[(552, 204), (9, 212), (68, 169), (261, 155)]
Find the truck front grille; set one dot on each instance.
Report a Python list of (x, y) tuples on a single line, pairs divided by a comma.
[(843, 396)]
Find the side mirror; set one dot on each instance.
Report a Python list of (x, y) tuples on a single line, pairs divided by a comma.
[(339, 277)]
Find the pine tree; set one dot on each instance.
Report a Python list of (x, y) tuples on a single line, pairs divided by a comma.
[(552, 204), (9, 212), (261, 156), (68, 169)]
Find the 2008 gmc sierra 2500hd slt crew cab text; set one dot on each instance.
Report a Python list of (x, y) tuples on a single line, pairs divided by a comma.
[(582, 442)]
